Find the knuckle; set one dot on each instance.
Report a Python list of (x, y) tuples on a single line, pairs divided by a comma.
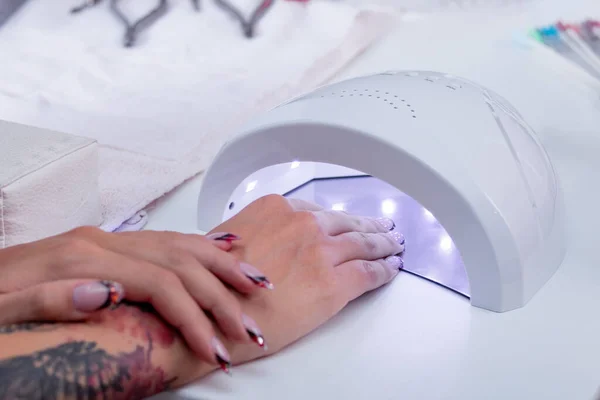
[(370, 271), (166, 279), (178, 257), (359, 224), (84, 231), (273, 201), (307, 220), (172, 239), (368, 242), (72, 251)]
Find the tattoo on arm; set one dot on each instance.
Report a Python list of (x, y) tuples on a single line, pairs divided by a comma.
[(83, 369)]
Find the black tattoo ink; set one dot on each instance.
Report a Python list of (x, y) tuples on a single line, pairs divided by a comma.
[(81, 370)]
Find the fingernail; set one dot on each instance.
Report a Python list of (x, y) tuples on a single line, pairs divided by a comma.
[(387, 223), (254, 331), (95, 296), (222, 236), (399, 238), (256, 276), (395, 262), (221, 355)]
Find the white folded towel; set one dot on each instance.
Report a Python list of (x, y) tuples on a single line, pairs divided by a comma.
[(162, 109)]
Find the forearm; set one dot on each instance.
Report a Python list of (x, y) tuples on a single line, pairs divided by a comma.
[(127, 353)]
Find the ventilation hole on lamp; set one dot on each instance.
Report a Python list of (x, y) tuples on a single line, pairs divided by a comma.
[(231, 205), (395, 108), (451, 87), (414, 116), (370, 95), (412, 111)]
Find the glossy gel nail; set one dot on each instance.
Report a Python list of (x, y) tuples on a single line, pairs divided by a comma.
[(395, 262), (223, 236), (399, 238), (94, 296), (222, 355), (387, 223), (254, 331), (256, 276)]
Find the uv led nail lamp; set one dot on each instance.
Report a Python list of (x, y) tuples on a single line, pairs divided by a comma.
[(458, 149)]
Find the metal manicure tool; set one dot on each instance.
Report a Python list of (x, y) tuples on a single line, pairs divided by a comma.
[(248, 26), (132, 30)]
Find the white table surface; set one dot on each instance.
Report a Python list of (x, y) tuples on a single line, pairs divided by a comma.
[(413, 339)]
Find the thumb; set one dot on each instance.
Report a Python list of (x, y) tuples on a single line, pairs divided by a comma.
[(66, 300)]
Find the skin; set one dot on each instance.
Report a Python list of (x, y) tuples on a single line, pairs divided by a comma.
[(318, 260), (182, 276)]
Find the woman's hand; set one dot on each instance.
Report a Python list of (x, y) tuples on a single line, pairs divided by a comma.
[(319, 260), (66, 278)]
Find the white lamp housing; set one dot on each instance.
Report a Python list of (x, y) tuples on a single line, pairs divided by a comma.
[(458, 149)]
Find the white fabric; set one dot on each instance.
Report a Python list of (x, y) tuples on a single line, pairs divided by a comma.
[(48, 183), (161, 110)]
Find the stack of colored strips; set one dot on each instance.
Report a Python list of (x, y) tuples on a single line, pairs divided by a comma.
[(579, 43)]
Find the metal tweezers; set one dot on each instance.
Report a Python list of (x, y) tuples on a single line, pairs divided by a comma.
[(133, 29), (249, 25)]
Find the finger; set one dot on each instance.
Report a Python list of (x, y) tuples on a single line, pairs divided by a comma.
[(367, 246), (67, 300), (173, 250), (336, 222), (221, 240), (241, 276), (147, 283), (217, 300), (303, 205), (360, 276), (202, 269)]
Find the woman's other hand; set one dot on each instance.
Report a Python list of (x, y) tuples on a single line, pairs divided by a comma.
[(318, 260), (183, 276)]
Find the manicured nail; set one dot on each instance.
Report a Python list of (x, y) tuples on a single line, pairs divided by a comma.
[(256, 276), (399, 238), (254, 331), (225, 237), (222, 355), (95, 296), (395, 262), (387, 223)]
